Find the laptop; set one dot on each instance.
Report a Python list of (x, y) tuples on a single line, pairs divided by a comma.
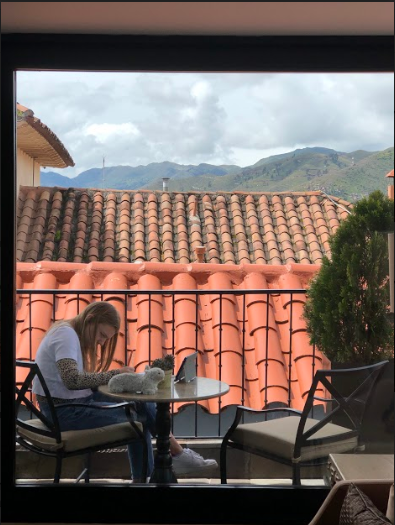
[(187, 370)]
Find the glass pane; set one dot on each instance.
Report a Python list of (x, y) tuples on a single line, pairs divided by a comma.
[(157, 166)]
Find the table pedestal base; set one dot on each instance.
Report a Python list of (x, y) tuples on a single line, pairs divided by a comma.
[(163, 471)]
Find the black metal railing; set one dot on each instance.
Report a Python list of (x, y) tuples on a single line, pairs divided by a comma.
[(217, 420)]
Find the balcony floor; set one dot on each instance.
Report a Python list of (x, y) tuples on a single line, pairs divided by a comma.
[(190, 481)]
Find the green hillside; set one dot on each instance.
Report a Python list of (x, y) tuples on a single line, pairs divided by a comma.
[(347, 175)]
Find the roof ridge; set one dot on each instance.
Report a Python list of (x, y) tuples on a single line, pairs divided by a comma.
[(160, 192)]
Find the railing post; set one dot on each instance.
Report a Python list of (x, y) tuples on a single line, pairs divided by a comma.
[(220, 358), (30, 328), (267, 347), (197, 361), (312, 379), (125, 302), (53, 307), (149, 328), (173, 339), (290, 351), (243, 365)]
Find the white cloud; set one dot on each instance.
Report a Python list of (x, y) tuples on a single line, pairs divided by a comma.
[(105, 132), (201, 90), (219, 118)]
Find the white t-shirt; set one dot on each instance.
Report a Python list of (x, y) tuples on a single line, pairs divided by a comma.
[(61, 343)]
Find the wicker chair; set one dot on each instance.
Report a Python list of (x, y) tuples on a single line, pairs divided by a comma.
[(377, 490)]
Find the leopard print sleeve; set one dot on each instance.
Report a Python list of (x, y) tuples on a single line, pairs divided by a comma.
[(76, 380)]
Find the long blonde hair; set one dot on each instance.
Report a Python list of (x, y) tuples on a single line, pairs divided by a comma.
[(100, 312)]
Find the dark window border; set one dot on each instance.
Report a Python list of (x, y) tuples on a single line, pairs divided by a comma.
[(179, 504)]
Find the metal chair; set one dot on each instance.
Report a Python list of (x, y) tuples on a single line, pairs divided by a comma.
[(42, 436), (302, 439)]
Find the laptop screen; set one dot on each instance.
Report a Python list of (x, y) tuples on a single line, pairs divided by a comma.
[(187, 370)]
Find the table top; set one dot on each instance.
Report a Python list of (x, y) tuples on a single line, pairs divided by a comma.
[(362, 466), (197, 389)]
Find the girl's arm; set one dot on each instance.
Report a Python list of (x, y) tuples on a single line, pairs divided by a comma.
[(76, 380)]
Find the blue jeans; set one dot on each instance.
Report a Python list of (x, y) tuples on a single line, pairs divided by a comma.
[(84, 418)]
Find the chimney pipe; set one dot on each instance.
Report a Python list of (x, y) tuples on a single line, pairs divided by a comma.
[(165, 181), (199, 252), (390, 176)]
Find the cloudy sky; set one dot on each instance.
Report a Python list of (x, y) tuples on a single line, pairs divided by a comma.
[(218, 118)]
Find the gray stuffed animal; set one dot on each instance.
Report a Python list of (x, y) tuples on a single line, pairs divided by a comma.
[(146, 383)]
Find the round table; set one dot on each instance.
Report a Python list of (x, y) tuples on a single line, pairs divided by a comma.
[(196, 390)]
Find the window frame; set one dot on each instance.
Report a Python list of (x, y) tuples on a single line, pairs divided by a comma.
[(193, 504)]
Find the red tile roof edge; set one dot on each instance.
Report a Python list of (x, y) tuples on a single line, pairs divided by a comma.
[(191, 192), (43, 130), (136, 270)]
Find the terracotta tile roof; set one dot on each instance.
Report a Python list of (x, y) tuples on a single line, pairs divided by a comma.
[(39, 142), (87, 225), (261, 326)]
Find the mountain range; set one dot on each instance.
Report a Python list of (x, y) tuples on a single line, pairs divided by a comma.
[(347, 175)]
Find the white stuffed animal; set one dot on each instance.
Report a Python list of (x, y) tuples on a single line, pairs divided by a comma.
[(146, 383)]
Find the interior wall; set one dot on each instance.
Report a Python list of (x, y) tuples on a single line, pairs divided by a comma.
[(200, 18)]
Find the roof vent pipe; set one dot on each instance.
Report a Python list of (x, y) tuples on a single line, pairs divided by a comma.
[(200, 251), (390, 176), (165, 181)]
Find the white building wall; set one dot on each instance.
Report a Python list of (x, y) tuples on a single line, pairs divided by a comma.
[(27, 170)]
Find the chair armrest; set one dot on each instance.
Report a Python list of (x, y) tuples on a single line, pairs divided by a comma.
[(268, 410), (240, 409), (329, 512)]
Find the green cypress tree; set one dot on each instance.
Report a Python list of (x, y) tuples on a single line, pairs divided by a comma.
[(347, 302)]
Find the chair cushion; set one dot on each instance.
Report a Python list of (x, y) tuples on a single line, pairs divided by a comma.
[(73, 440), (358, 509), (277, 437)]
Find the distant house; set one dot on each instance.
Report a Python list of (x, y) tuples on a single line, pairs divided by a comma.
[(37, 146)]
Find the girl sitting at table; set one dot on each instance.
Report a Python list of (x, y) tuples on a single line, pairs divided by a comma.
[(73, 368)]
